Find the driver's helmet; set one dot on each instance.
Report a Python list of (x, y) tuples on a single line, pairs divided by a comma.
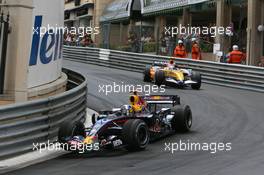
[(137, 103), (125, 109), (171, 64)]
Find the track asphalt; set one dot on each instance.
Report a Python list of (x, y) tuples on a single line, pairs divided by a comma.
[(220, 115)]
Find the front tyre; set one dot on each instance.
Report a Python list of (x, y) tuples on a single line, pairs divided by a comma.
[(198, 79), (147, 77), (136, 135), (159, 77), (69, 129), (182, 120)]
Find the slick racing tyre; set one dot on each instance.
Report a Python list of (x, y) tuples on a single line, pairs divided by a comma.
[(182, 120), (135, 135), (159, 78), (68, 129), (198, 79), (147, 77)]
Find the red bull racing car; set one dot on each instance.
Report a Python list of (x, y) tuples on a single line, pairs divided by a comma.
[(130, 126)]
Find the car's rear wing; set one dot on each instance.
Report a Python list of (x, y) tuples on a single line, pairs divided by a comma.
[(162, 99)]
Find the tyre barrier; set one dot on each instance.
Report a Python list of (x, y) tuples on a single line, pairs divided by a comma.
[(221, 74), (38, 121)]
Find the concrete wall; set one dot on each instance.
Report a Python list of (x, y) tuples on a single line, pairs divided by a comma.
[(18, 52), (17, 76)]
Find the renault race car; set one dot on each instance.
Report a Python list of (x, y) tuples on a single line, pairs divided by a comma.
[(168, 73), (131, 126)]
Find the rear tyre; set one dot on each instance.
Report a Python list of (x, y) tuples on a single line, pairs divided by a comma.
[(198, 79), (182, 120), (159, 78), (93, 119), (68, 129), (135, 135), (147, 77)]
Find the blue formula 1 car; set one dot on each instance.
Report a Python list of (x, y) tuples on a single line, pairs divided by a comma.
[(131, 126)]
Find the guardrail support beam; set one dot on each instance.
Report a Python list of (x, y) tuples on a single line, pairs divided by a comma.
[(223, 19), (254, 37)]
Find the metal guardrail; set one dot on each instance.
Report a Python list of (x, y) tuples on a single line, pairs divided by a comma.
[(38, 121), (235, 76)]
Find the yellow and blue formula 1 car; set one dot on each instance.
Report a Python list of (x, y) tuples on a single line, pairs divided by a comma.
[(168, 73)]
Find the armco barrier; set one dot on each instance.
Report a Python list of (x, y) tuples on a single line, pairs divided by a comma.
[(38, 121), (235, 76)]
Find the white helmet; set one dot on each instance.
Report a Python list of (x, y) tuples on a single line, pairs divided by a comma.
[(180, 42), (235, 47), (193, 39)]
